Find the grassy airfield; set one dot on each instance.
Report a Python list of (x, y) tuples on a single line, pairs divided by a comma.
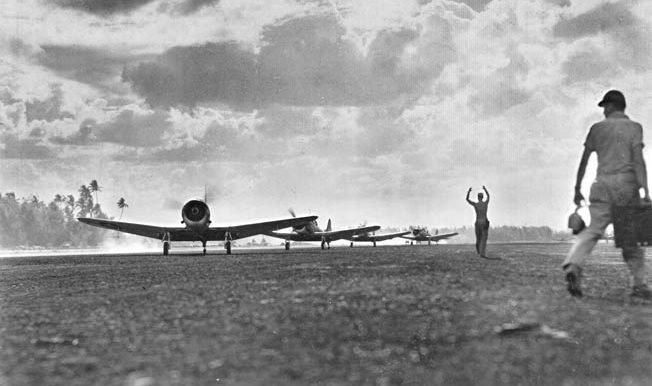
[(392, 315)]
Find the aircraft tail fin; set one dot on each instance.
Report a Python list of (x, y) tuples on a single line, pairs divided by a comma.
[(328, 226)]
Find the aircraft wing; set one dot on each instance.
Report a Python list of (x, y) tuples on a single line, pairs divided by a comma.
[(185, 234), (431, 238), (266, 228), (293, 236), (156, 232), (442, 236), (347, 233), (386, 236)]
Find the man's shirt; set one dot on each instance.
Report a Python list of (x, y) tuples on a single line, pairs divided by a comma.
[(614, 140)]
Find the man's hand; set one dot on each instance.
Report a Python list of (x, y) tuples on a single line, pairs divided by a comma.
[(578, 197)]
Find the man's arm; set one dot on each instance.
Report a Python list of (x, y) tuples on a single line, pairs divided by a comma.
[(581, 170), (468, 192), (641, 170), (486, 192)]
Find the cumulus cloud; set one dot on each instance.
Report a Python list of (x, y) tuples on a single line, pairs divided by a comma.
[(221, 72), (82, 137), (604, 18), (306, 61), (191, 6), (476, 5), (98, 67), (30, 148), (627, 37), (220, 141), (502, 90), (587, 65), (283, 121), (132, 128), (50, 109), (560, 3), (103, 7)]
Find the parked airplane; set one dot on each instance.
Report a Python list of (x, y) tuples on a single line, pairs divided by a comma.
[(422, 234), (311, 232), (196, 216), (374, 238)]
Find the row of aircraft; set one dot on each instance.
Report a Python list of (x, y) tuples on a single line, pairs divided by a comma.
[(196, 217)]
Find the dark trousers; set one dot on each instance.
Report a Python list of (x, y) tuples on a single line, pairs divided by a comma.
[(481, 235)]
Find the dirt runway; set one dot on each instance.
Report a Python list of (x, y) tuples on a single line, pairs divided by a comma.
[(392, 315)]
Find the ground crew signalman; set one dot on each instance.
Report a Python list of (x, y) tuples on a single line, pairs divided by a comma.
[(481, 221), (621, 175)]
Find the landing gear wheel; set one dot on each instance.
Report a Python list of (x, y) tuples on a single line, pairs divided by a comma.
[(204, 245), (374, 244), (166, 248), (351, 244), (287, 245), (323, 245), (227, 246), (204, 252)]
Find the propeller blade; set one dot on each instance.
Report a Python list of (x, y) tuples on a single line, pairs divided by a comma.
[(292, 212)]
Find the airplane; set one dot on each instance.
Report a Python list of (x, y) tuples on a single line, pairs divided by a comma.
[(311, 231), (422, 234), (373, 238), (196, 216)]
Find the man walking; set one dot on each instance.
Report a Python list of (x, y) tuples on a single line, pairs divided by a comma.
[(621, 174), (481, 221)]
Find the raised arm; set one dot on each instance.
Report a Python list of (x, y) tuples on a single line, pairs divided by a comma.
[(486, 192), (580, 176), (468, 192)]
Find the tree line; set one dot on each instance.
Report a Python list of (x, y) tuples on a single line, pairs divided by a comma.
[(509, 234), (31, 222)]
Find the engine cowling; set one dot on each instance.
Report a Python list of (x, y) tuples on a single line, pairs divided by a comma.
[(196, 215)]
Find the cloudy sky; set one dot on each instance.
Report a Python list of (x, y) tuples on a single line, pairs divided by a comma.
[(383, 111)]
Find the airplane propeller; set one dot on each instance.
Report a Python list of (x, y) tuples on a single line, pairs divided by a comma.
[(292, 212)]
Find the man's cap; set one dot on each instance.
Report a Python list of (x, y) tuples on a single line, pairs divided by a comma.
[(613, 96)]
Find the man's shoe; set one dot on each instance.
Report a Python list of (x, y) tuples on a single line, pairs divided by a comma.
[(641, 291), (573, 284)]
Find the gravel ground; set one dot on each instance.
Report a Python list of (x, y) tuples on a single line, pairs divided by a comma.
[(392, 315)]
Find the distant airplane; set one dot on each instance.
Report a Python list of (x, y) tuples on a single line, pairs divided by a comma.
[(311, 232), (422, 234), (372, 237), (196, 217)]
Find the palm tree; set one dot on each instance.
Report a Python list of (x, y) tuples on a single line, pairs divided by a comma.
[(94, 187), (85, 201), (122, 204)]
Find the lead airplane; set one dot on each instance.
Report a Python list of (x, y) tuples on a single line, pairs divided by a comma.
[(196, 216), (311, 231), (422, 234), (372, 237)]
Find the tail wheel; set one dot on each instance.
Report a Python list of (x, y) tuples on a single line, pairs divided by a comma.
[(166, 248), (287, 245), (351, 244), (227, 246)]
